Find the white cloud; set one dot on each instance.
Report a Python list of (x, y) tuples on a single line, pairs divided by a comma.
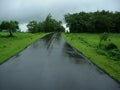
[(23, 27)]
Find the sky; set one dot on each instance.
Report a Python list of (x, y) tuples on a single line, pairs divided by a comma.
[(27, 10)]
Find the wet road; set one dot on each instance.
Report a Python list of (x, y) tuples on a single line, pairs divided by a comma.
[(52, 64)]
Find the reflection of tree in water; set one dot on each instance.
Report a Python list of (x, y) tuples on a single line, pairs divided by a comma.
[(58, 38), (51, 38), (47, 39), (42, 42), (100, 71), (72, 53), (17, 55), (36, 44), (79, 58)]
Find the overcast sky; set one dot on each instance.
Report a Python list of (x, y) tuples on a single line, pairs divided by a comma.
[(27, 10)]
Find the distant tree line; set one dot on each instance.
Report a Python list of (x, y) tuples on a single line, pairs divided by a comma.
[(91, 22), (49, 25), (94, 22)]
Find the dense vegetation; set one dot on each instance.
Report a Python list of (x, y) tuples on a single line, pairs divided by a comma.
[(107, 56), (49, 25), (94, 22), (11, 46)]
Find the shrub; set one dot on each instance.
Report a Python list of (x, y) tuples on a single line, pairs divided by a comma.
[(111, 46), (102, 52), (114, 54), (103, 37)]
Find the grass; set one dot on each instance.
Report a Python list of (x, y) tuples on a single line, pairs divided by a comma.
[(88, 43), (9, 46)]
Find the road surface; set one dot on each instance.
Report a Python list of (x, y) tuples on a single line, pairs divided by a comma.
[(52, 64)]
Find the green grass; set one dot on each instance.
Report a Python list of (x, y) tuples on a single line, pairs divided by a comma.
[(9, 46), (88, 43)]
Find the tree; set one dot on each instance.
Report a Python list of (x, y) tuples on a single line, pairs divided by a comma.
[(77, 22), (0, 27), (13, 26), (117, 22), (10, 26), (32, 26), (52, 25), (93, 22), (49, 25)]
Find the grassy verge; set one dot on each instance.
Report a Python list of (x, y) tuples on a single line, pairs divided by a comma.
[(87, 44), (9, 46)]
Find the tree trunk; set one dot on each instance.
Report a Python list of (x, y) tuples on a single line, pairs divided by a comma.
[(11, 35)]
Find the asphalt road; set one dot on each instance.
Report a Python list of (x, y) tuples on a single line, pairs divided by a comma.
[(52, 64)]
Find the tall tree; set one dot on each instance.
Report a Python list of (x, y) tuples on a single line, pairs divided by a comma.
[(51, 25)]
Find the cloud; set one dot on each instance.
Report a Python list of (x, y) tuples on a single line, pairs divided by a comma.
[(27, 10)]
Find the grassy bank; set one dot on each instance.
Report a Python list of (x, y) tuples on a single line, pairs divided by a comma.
[(9, 46), (88, 43)]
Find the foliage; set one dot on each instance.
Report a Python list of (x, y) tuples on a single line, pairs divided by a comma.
[(108, 48), (93, 22), (33, 26), (49, 25), (111, 46), (10, 26), (114, 54), (103, 37)]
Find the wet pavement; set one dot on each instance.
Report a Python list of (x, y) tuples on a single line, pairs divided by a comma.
[(52, 64)]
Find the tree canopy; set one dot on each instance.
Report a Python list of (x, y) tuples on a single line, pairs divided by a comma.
[(94, 22), (49, 25), (10, 26)]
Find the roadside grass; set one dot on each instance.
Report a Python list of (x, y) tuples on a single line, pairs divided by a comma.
[(88, 43), (9, 46)]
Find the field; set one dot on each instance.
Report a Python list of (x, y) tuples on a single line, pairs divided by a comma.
[(88, 43), (9, 46)]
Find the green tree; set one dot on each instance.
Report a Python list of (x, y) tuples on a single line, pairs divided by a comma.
[(93, 22), (52, 25), (117, 22), (32, 26), (11, 26)]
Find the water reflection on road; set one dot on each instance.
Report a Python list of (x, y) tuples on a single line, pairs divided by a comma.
[(52, 64)]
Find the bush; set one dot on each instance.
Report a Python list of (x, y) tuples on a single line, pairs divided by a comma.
[(102, 52), (110, 50), (111, 46), (114, 54), (103, 37)]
